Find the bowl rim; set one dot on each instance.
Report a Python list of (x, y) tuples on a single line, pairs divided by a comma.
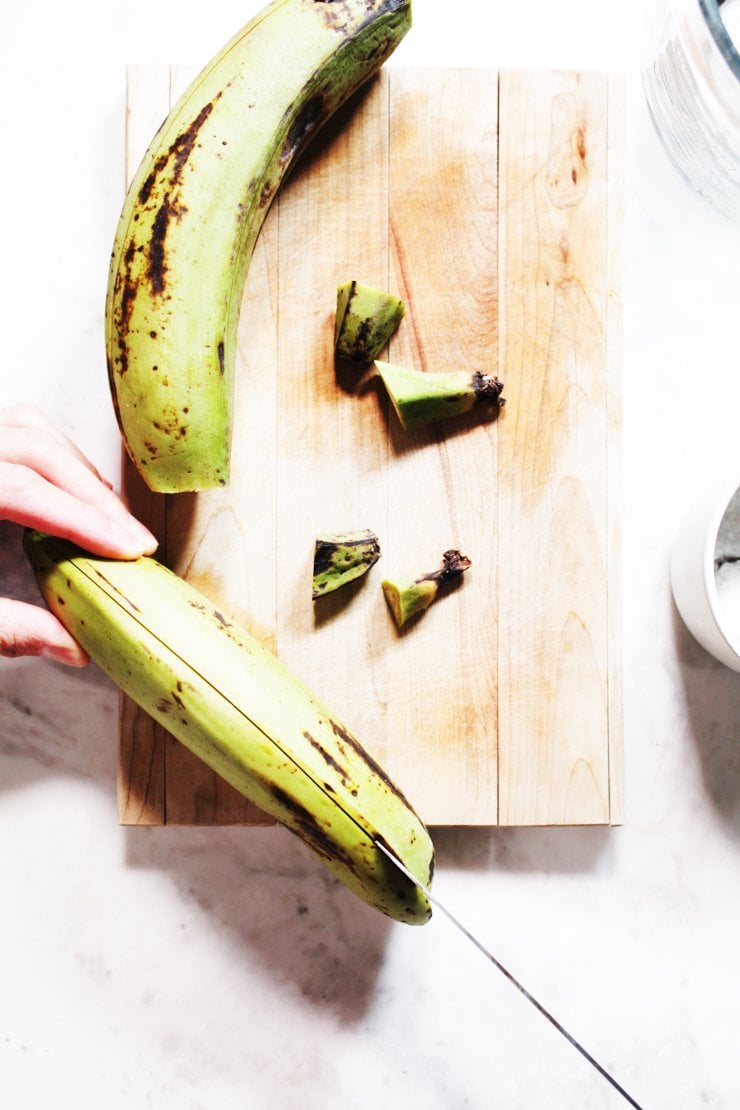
[(709, 569), (713, 19)]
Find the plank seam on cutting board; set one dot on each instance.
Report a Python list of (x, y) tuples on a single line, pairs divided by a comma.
[(607, 505)]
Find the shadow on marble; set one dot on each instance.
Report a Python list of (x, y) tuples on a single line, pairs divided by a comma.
[(563, 850), (16, 577), (712, 698), (278, 904), (56, 721), (260, 887)]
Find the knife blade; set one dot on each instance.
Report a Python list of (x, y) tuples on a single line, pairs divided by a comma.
[(466, 933)]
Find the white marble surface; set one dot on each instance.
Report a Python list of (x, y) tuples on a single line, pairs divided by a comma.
[(220, 969)]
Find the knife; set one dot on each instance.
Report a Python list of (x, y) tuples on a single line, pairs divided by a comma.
[(504, 971)]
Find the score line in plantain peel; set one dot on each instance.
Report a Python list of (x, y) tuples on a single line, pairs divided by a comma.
[(194, 210), (420, 398), (413, 594)]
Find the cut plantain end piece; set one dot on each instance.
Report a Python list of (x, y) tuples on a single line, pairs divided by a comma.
[(420, 398), (366, 319), (218, 691), (413, 593), (342, 557)]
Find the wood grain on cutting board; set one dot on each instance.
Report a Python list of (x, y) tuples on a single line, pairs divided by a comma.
[(491, 203)]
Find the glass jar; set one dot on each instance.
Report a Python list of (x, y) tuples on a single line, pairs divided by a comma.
[(692, 87)]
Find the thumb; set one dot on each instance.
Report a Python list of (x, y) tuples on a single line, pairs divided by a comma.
[(30, 630)]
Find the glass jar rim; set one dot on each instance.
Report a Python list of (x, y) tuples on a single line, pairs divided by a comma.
[(710, 10)]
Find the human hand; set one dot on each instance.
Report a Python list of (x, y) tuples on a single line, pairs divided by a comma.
[(47, 483)]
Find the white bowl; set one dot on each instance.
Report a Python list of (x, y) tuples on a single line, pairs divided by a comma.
[(693, 574)]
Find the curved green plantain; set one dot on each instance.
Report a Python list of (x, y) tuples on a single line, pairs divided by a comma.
[(231, 702), (193, 213)]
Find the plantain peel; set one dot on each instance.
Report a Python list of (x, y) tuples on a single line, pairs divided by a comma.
[(366, 318), (237, 707), (342, 557), (192, 215)]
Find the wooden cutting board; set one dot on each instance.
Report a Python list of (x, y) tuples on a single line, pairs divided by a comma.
[(491, 202)]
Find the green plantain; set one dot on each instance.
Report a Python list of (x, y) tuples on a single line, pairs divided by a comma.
[(232, 703), (193, 213)]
